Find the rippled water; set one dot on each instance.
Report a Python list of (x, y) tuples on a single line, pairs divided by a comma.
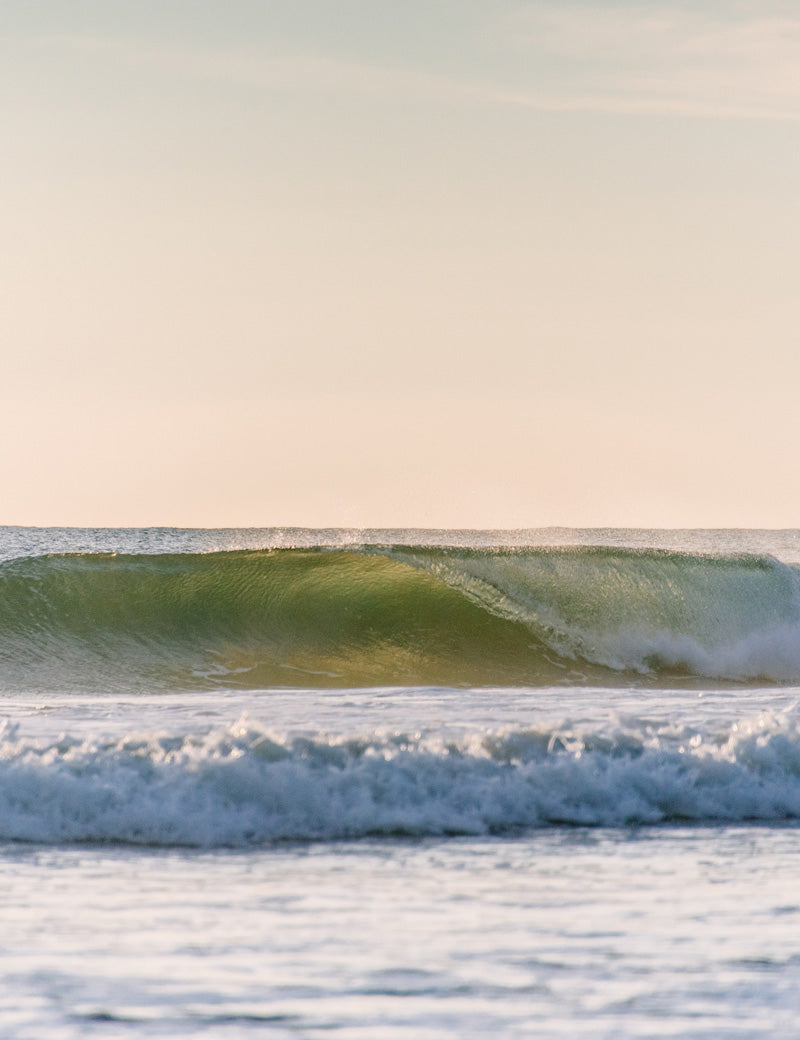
[(674, 932)]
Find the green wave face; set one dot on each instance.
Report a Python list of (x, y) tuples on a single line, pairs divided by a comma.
[(394, 615), (276, 618)]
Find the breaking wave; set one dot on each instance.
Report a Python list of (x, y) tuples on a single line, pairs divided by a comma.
[(241, 785), (375, 615)]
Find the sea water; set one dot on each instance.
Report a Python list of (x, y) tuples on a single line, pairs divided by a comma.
[(383, 784)]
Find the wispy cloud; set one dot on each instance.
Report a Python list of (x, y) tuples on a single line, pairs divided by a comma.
[(723, 60)]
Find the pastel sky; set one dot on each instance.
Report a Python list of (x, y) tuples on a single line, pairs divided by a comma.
[(425, 263)]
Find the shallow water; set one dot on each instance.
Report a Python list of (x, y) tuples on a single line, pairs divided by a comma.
[(669, 932)]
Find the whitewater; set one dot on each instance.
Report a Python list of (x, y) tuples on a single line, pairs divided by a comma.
[(291, 782)]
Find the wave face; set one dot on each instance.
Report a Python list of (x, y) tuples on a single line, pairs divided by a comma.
[(243, 786), (378, 615)]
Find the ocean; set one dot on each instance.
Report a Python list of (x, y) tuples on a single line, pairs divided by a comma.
[(399, 783)]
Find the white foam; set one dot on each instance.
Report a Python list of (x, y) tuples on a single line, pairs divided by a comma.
[(771, 654), (242, 785)]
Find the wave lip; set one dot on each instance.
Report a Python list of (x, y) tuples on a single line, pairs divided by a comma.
[(243, 786), (383, 615), (640, 610)]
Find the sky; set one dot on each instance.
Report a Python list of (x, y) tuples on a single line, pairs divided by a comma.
[(438, 263)]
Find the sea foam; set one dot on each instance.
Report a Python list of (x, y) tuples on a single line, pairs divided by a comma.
[(242, 785)]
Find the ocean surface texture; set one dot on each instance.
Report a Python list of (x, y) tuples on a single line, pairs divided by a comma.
[(385, 784)]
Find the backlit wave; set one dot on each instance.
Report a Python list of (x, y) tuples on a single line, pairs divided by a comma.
[(376, 615)]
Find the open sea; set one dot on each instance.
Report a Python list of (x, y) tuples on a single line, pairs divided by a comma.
[(399, 783)]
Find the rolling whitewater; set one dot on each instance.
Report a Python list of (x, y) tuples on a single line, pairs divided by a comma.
[(560, 768)]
